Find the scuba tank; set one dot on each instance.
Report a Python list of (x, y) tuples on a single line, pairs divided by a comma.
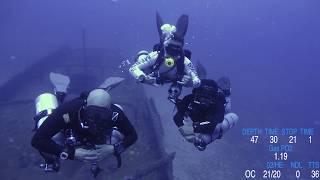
[(45, 104)]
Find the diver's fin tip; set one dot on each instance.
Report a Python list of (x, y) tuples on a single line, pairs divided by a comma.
[(59, 81), (182, 25), (159, 22), (111, 83)]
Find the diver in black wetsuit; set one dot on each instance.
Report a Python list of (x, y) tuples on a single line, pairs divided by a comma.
[(88, 119), (206, 108)]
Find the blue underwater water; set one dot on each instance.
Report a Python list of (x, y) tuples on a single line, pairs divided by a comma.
[(270, 49)]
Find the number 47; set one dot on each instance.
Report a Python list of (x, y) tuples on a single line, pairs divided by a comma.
[(254, 139)]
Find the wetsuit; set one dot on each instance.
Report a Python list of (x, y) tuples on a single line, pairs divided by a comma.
[(56, 122)]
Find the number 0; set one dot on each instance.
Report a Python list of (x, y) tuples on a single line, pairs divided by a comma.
[(298, 174)]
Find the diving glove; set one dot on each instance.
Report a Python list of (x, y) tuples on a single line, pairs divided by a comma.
[(148, 80), (187, 133), (185, 81), (85, 155), (94, 155), (104, 151)]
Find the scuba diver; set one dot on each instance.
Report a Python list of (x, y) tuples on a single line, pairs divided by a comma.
[(169, 62), (209, 112), (88, 128)]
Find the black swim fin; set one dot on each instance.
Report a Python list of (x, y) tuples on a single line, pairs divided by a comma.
[(159, 23), (182, 26)]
